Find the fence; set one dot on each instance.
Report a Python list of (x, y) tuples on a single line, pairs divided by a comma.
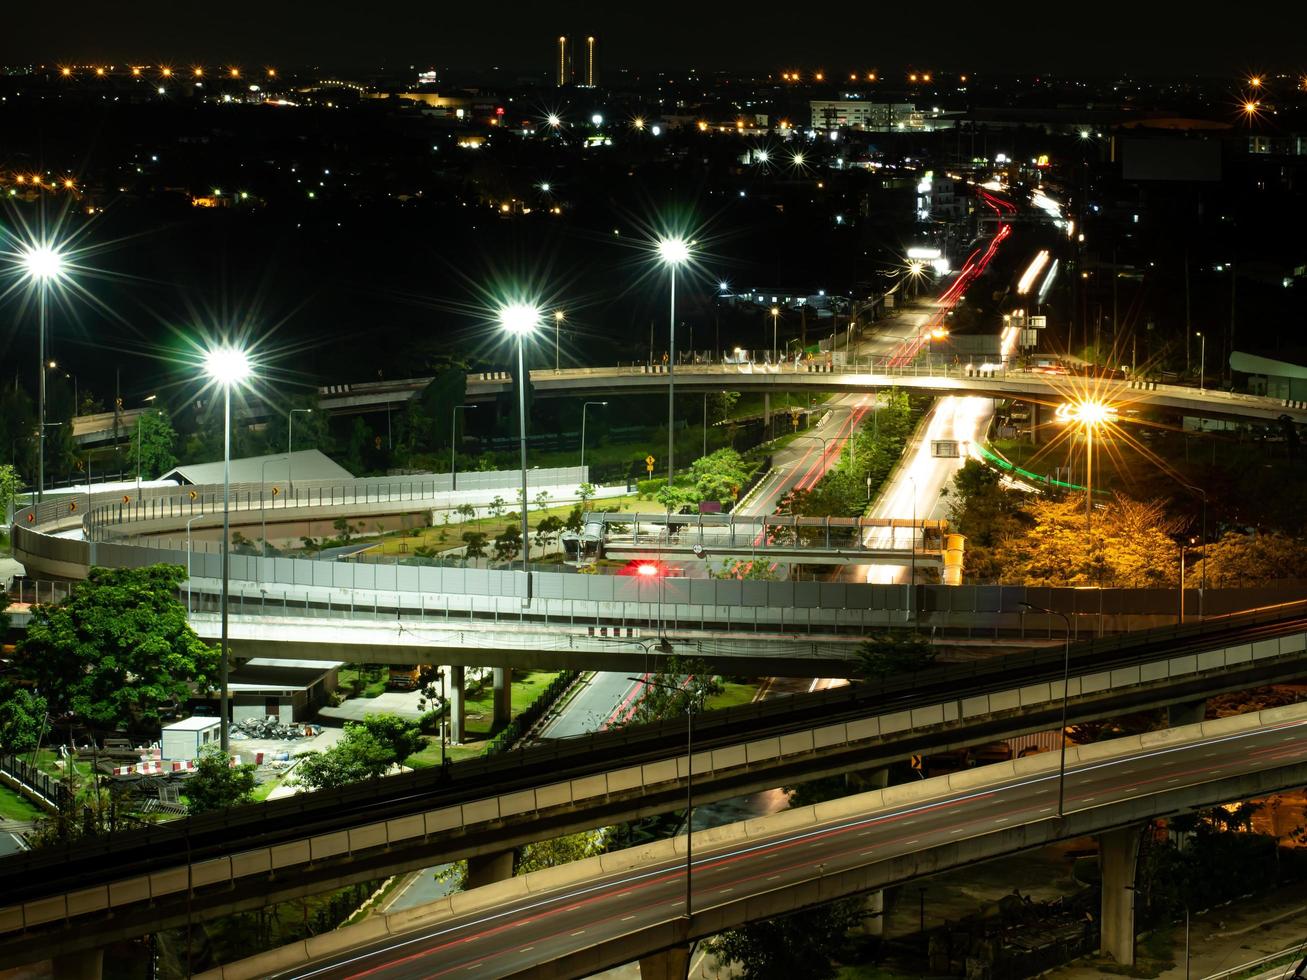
[(51, 790), (519, 726)]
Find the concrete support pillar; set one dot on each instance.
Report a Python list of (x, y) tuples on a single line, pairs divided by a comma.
[(1118, 851), (86, 965), (503, 697), (457, 705), (873, 914), (670, 964), (489, 868), (1186, 713), (766, 408), (1034, 423)]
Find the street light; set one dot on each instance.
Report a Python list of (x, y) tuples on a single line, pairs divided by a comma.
[(44, 265), (1066, 681), (226, 367), (290, 457), (1202, 358), (689, 775), (673, 251), (1089, 415), (775, 317), (520, 320), (559, 317), (583, 408), (453, 444)]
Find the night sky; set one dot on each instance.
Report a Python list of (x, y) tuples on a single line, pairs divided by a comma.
[(1099, 37)]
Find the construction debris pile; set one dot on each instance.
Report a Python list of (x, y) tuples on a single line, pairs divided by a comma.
[(269, 727)]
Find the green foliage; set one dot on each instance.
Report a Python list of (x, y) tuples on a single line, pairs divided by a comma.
[(895, 653), (217, 784), (475, 542), (682, 684), (367, 750), (157, 441), (22, 717), (1245, 560), (797, 946), (548, 529), (719, 475), (574, 522), (559, 851), (117, 649), (757, 571), (9, 486), (988, 515), (508, 544)]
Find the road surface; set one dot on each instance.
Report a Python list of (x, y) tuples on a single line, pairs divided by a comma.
[(549, 925)]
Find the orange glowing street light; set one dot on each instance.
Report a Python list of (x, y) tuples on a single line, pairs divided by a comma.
[(1088, 414)]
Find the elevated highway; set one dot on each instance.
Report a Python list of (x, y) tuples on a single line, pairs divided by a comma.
[(137, 882), (584, 917), (861, 374)]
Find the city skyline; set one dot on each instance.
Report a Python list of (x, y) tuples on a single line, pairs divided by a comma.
[(1117, 39)]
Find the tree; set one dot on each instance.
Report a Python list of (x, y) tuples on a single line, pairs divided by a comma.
[(895, 653), (475, 544), (574, 522), (157, 440), (403, 737), (1129, 545), (117, 649), (719, 475), (680, 683), (498, 505), (22, 717), (585, 492), (796, 946), (9, 486), (988, 515), (757, 571), (508, 545), (367, 750), (548, 529), (467, 512), (217, 784), (541, 499), (1242, 560)]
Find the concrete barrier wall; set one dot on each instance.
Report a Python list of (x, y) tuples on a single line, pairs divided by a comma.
[(877, 803), (636, 781)]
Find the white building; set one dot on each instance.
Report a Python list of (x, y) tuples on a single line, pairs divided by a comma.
[(872, 116)]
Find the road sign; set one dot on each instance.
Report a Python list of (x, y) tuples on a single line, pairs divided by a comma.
[(648, 464), (126, 499), (72, 506), (276, 491), (194, 494)]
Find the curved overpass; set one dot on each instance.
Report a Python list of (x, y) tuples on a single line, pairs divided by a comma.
[(584, 917), (140, 881)]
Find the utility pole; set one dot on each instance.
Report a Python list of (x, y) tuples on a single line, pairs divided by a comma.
[(1188, 323)]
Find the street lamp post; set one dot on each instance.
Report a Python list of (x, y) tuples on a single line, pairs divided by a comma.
[(521, 319), (1202, 360), (290, 458), (228, 367), (1066, 681), (775, 319), (453, 444), (583, 408), (673, 251), (559, 316), (44, 265), (689, 780)]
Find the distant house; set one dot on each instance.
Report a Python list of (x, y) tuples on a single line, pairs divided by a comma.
[(307, 464)]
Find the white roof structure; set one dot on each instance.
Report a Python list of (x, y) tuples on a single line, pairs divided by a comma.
[(309, 464)]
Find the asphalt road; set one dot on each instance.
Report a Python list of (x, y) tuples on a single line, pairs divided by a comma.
[(549, 925)]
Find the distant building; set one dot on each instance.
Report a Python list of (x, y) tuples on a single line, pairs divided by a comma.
[(876, 116)]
